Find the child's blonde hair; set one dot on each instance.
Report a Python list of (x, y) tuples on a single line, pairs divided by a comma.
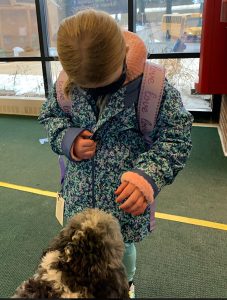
[(91, 47)]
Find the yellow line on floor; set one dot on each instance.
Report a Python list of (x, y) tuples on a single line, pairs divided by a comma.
[(27, 189), (191, 221), (158, 215)]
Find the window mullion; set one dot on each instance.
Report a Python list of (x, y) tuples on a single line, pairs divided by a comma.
[(44, 44)]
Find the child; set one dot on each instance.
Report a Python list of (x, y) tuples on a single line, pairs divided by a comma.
[(110, 166)]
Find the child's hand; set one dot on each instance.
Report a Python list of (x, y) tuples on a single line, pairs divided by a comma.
[(83, 147), (135, 203)]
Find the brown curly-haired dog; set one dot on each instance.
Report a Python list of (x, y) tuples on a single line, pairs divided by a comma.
[(83, 261)]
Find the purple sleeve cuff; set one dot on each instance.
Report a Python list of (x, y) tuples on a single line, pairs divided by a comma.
[(149, 179), (68, 140)]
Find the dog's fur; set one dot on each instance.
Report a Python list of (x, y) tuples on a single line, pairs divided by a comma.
[(83, 261)]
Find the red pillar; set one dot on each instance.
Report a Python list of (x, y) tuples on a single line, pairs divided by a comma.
[(213, 51)]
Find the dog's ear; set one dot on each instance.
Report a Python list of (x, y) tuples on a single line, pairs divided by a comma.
[(88, 255), (85, 255), (88, 246)]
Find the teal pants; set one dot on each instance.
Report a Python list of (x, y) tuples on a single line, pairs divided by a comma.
[(129, 260)]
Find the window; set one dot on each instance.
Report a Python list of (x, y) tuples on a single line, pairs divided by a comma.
[(183, 73), (170, 26), (171, 30), (15, 76), (18, 29)]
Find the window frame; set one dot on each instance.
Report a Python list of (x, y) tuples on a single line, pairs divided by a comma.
[(45, 58)]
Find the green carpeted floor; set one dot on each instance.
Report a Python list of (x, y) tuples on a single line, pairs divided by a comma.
[(177, 260)]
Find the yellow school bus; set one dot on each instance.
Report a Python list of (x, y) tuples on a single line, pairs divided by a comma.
[(179, 25)]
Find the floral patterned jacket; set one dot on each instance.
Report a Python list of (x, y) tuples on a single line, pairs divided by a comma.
[(121, 154)]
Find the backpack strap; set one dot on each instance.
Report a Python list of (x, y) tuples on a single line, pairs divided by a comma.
[(150, 98), (64, 102), (151, 92), (66, 105)]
